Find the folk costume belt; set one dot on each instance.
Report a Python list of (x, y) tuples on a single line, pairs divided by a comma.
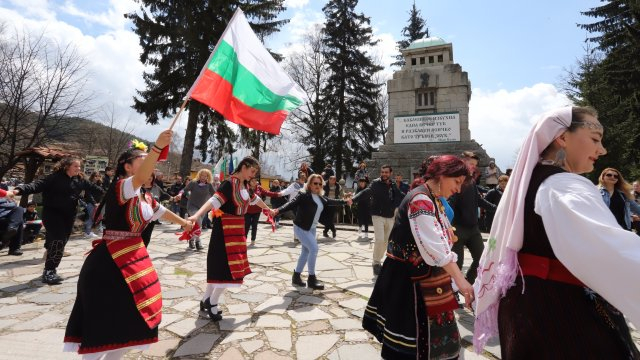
[(236, 245), (546, 268), (130, 255)]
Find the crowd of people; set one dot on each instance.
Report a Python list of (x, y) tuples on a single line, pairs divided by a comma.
[(573, 244)]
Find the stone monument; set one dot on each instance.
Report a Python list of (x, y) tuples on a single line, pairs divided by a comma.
[(428, 110)]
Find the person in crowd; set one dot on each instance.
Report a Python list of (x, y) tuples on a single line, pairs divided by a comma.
[(328, 172), (173, 191), (465, 207), (310, 203), (361, 173), (183, 198), (12, 223), (491, 175), (227, 262), (199, 192), (557, 261), (109, 172), (363, 200), (32, 223), (4, 185), (493, 196), (253, 213), (332, 190), (344, 212), (292, 191), (118, 305), (385, 198), (636, 196), (411, 309), (61, 191), (305, 169), (401, 185), (92, 199), (617, 194), (146, 191), (277, 201)]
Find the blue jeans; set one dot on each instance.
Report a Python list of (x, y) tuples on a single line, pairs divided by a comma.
[(175, 208), (88, 224), (309, 251)]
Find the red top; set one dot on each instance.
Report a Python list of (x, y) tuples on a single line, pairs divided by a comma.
[(3, 193), (260, 191)]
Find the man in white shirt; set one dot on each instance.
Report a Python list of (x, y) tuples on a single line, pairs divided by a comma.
[(292, 190)]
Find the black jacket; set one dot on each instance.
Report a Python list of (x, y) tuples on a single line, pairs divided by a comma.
[(59, 191), (493, 196), (307, 208), (465, 206), (93, 195), (385, 198)]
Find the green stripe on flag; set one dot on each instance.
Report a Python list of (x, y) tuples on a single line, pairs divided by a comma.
[(246, 86)]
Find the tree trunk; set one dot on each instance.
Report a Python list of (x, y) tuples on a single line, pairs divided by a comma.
[(189, 139)]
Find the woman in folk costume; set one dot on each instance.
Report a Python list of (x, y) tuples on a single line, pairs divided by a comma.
[(118, 305), (411, 308), (558, 271), (227, 262)]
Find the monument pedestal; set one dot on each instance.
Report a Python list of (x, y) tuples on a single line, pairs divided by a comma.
[(428, 110)]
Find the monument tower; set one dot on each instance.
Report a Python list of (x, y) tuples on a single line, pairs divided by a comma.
[(428, 110)]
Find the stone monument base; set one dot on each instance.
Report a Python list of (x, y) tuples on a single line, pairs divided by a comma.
[(406, 159)]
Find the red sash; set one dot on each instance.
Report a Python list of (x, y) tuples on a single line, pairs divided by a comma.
[(236, 245), (546, 268), (130, 255)]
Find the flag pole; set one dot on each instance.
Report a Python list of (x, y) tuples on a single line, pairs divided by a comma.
[(175, 118)]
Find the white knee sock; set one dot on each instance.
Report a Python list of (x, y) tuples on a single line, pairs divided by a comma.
[(214, 298), (207, 293)]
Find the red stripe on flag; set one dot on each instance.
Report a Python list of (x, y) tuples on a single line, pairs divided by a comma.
[(217, 93)]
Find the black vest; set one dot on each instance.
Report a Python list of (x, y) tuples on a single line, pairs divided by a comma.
[(535, 240)]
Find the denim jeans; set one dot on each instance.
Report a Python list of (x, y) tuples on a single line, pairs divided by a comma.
[(309, 251), (88, 224)]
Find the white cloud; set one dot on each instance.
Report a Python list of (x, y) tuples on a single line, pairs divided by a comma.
[(500, 120), (296, 3)]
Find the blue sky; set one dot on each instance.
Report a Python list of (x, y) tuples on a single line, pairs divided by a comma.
[(514, 51)]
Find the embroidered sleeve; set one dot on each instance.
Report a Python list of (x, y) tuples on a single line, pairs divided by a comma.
[(158, 211), (431, 240), (221, 196), (255, 199), (125, 190)]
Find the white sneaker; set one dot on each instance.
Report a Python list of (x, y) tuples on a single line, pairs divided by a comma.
[(93, 235)]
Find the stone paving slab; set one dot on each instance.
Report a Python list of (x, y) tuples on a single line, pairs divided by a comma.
[(265, 319)]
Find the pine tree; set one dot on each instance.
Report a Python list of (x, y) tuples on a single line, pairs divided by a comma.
[(609, 80), (177, 38), (350, 94), (416, 29)]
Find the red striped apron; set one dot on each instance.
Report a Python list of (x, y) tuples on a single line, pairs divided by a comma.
[(236, 245)]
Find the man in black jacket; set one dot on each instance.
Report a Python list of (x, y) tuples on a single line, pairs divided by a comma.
[(465, 207), (385, 198)]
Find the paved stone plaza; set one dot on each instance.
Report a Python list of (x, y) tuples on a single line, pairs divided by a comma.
[(266, 318)]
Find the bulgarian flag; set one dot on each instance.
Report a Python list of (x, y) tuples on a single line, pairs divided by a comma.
[(244, 83)]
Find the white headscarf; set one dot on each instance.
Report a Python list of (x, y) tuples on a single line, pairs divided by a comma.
[(499, 263)]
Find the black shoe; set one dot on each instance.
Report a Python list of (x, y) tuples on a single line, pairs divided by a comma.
[(192, 244), (297, 280), (314, 283), (325, 234), (205, 305), (376, 269), (16, 252), (199, 245), (50, 277), (9, 234), (212, 316)]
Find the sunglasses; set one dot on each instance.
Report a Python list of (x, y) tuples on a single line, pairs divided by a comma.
[(615, 176), (316, 183)]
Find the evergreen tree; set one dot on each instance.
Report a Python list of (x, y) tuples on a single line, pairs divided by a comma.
[(609, 80), (177, 38), (350, 94), (416, 29)]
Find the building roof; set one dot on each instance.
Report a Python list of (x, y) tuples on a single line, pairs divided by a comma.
[(426, 42), (45, 152)]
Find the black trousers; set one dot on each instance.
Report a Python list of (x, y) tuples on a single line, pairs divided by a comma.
[(472, 239), (13, 227), (251, 221), (59, 225)]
